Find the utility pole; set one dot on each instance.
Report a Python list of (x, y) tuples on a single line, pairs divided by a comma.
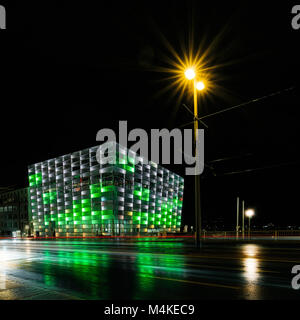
[(197, 177), (243, 213), (249, 228), (237, 216), (190, 74)]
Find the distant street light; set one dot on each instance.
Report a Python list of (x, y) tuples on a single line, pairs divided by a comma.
[(249, 213)]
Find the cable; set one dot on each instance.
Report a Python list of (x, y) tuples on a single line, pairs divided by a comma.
[(248, 102), (260, 168), (188, 109), (231, 158)]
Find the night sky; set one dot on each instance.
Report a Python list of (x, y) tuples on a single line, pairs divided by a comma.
[(69, 70)]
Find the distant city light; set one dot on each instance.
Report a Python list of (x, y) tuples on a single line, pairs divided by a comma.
[(249, 213)]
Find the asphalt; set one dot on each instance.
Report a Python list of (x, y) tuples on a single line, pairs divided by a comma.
[(146, 269)]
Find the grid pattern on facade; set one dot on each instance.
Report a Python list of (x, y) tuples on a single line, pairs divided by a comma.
[(75, 195)]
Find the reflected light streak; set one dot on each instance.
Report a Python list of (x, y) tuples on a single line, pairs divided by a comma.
[(250, 250), (251, 269), (2, 280), (250, 262)]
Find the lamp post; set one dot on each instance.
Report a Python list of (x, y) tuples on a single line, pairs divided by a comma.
[(249, 213), (190, 74), (237, 216), (243, 219)]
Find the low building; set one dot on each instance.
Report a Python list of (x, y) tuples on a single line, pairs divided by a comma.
[(14, 219), (77, 195)]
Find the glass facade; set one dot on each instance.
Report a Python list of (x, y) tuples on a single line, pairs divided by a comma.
[(77, 195)]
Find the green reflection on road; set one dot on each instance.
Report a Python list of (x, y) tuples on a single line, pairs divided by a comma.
[(149, 266), (106, 273)]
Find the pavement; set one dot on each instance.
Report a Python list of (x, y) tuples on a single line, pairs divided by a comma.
[(143, 269)]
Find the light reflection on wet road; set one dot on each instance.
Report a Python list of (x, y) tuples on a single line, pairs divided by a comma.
[(110, 269)]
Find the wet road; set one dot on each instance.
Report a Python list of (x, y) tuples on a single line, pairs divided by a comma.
[(170, 269)]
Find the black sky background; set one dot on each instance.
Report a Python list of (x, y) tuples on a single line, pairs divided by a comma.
[(69, 70)]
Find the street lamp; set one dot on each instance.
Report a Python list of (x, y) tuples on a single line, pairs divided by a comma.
[(190, 74), (200, 85), (249, 213)]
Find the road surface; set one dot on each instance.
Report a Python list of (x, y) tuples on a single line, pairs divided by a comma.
[(144, 269)]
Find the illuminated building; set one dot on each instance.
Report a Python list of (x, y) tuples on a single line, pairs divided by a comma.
[(75, 195)]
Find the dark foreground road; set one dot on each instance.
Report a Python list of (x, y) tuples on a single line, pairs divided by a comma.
[(110, 269)]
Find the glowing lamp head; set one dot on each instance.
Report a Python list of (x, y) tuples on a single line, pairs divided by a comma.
[(200, 85), (249, 213), (190, 73)]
